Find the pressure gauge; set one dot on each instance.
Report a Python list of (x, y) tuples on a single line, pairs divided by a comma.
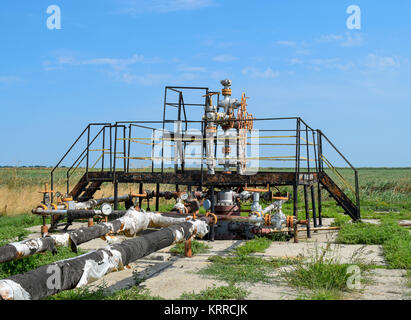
[(207, 204), (106, 209)]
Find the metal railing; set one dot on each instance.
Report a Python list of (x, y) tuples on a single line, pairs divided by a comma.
[(308, 155)]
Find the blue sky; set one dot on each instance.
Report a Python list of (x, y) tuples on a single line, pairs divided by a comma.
[(112, 59)]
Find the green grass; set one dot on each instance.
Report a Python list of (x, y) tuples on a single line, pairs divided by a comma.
[(100, 293), (196, 247), (229, 292), (13, 228), (258, 244), (138, 293), (397, 252), (321, 294), (242, 268), (396, 240), (83, 293), (23, 265), (324, 275), (134, 293), (340, 220), (367, 233)]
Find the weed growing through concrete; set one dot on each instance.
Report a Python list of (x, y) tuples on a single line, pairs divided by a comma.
[(241, 267), (323, 274), (321, 294), (396, 240), (366, 233), (217, 293), (101, 293), (83, 293), (340, 220), (134, 293), (255, 245), (196, 247)]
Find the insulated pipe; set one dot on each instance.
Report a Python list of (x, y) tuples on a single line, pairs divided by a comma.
[(89, 204), (81, 213), (130, 224), (82, 270), (78, 214)]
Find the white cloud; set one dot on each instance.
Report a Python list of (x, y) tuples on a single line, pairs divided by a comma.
[(148, 79), (9, 79), (65, 60), (330, 38), (256, 73), (287, 43), (143, 79), (349, 39), (192, 69), (374, 61), (303, 52), (332, 63), (352, 41), (225, 58), (295, 61), (113, 62), (134, 7)]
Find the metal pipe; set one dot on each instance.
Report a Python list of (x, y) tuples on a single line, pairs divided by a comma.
[(130, 223), (84, 269), (307, 213)]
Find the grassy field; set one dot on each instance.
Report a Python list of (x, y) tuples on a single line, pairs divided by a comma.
[(383, 191)]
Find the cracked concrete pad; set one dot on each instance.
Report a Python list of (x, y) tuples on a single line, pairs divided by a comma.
[(369, 254), (386, 284), (170, 275), (180, 278)]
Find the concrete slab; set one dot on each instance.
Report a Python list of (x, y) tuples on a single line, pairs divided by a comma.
[(180, 278), (370, 254), (387, 284)]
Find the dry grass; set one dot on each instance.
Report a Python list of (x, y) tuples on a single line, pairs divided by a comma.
[(14, 202), (19, 188), (382, 189)]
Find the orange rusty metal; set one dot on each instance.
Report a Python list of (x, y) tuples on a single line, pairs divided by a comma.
[(295, 234), (282, 198), (226, 92), (290, 221), (267, 219), (90, 222), (256, 189), (138, 195), (46, 185), (214, 221), (226, 150), (188, 252), (44, 230)]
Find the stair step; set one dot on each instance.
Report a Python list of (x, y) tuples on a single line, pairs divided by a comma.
[(342, 199), (84, 191)]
